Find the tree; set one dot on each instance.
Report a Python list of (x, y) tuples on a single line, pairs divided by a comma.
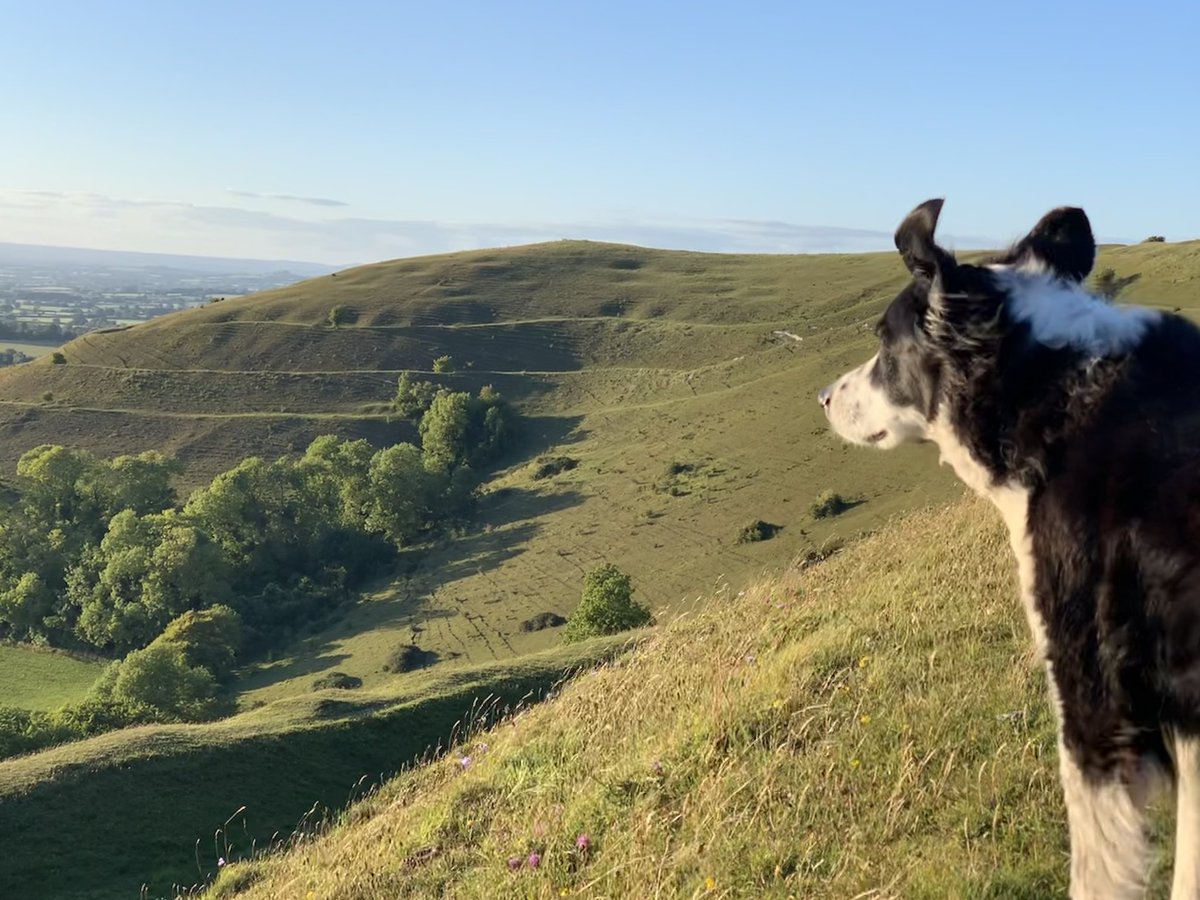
[(607, 605), (444, 429), (141, 483), (337, 475), (58, 486), (413, 397), (401, 490), (443, 364), (146, 571), (1107, 284), (160, 677), (210, 638)]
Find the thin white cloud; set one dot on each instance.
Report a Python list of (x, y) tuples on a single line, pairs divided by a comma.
[(95, 220), (290, 198)]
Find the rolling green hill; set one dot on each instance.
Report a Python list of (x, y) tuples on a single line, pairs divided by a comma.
[(682, 384)]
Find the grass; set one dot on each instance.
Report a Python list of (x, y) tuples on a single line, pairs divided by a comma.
[(158, 805), (662, 375), (626, 360), (873, 726), (43, 679)]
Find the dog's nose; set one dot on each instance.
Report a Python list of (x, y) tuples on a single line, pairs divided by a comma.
[(824, 396)]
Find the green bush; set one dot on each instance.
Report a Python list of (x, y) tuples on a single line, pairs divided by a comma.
[(160, 678), (340, 315), (607, 605), (828, 504), (210, 638), (758, 530), (58, 358), (338, 680), (549, 466), (443, 364)]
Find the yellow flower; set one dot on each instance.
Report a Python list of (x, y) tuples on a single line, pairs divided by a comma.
[(564, 892), (777, 704), (710, 883), (862, 661), (864, 719), (855, 763)]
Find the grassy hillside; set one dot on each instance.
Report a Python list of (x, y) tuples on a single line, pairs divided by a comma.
[(873, 726), (42, 679), (158, 805)]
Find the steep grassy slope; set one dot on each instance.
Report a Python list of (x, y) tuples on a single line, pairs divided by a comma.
[(158, 805), (873, 726)]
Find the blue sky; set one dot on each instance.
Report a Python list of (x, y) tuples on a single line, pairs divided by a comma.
[(353, 131)]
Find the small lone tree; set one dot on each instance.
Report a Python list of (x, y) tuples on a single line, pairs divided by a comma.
[(607, 605), (1108, 284), (443, 364)]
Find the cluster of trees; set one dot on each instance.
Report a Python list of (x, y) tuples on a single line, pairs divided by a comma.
[(99, 555)]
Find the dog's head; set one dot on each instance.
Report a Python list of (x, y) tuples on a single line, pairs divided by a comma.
[(949, 316)]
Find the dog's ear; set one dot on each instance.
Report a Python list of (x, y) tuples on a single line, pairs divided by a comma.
[(1062, 241), (914, 240)]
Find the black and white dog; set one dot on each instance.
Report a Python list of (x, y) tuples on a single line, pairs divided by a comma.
[(1080, 421)]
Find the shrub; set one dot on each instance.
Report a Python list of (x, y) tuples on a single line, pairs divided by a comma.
[(58, 358), (160, 678), (1154, 239), (413, 397), (828, 504), (408, 657), (549, 466), (542, 621), (341, 315), (758, 530), (1108, 284), (338, 680), (607, 605), (443, 364), (210, 638)]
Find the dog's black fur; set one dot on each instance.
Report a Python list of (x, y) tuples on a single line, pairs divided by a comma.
[(1104, 445)]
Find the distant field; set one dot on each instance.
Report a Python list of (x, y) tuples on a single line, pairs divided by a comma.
[(42, 679), (34, 350)]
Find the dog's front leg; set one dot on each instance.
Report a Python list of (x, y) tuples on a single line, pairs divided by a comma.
[(1108, 834), (1186, 883)]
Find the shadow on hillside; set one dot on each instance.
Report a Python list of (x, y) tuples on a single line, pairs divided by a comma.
[(512, 504), (302, 662), (540, 433)]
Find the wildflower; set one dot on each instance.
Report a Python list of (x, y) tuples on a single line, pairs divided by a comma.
[(656, 768), (564, 892), (864, 719), (514, 863), (855, 763), (776, 703), (535, 859), (710, 883), (220, 861), (862, 661), (465, 762), (583, 843), (749, 659), (483, 748)]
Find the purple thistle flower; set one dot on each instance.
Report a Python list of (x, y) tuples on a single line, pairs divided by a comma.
[(465, 762), (583, 843), (535, 859), (514, 863)]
